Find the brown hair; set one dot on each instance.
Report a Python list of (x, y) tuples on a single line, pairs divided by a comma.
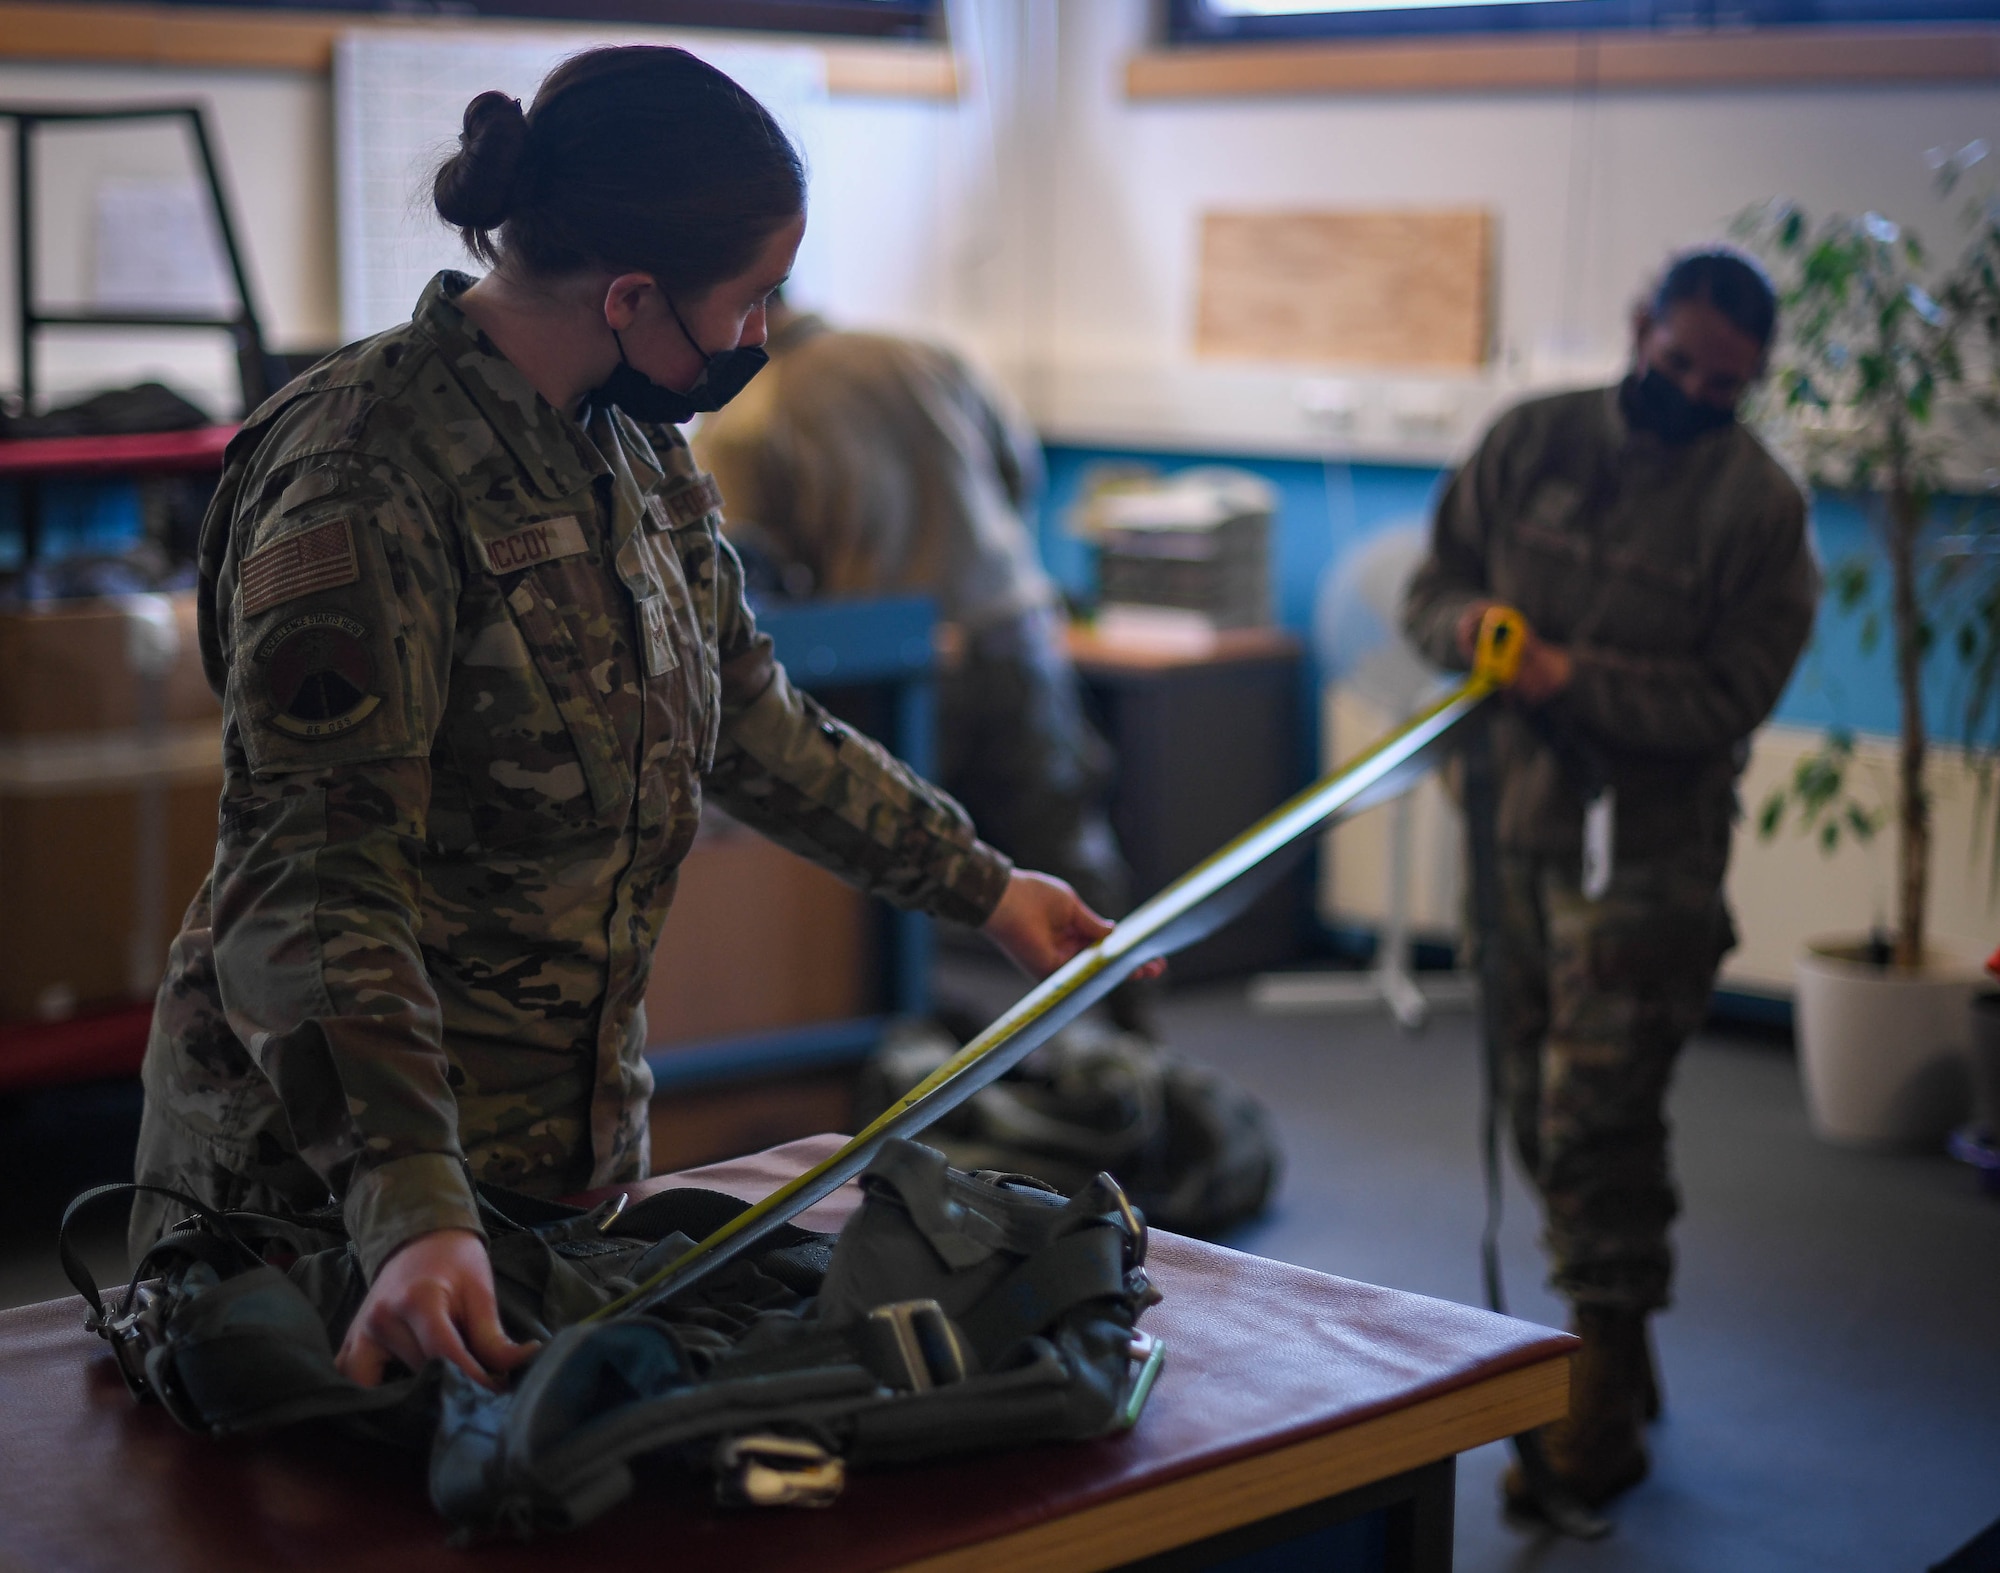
[(634, 158)]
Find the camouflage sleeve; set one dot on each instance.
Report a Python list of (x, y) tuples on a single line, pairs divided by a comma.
[(335, 609), (819, 788), (1697, 704), (1453, 576)]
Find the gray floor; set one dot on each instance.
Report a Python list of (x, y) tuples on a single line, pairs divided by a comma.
[(1832, 1367)]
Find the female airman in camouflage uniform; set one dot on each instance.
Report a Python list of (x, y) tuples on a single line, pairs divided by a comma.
[(481, 651)]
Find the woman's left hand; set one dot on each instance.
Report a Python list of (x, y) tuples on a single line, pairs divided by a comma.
[(1041, 923)]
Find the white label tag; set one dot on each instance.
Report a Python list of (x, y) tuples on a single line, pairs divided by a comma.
[(1599, 824), (659, 643)]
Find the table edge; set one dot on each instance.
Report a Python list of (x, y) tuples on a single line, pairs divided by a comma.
[(1169, 1514)]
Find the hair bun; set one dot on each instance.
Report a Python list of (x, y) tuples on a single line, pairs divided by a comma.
[(475, 187)]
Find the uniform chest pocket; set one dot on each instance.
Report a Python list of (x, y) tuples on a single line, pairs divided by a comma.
[(564, 671), (1648, 602), (1546, 572), (686, 613)]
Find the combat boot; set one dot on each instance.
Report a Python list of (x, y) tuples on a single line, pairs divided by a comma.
[(1598, 1449)]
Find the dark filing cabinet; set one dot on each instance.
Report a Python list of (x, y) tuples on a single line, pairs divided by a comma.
[(1206, 745)]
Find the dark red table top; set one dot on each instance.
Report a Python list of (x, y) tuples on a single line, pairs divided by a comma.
[(1259, 1356)]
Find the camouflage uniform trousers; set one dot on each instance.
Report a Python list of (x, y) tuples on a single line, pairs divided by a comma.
[(1598, 998)]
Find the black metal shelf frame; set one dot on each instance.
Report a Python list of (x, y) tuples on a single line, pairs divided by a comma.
[(253, 365)]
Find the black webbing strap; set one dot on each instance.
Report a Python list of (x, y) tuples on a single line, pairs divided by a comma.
[(1561, 1511), (80, 1275), (1481, 800), (1087, 1264)]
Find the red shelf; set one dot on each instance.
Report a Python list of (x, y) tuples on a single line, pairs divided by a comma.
[(147, 452), (102, 1046)]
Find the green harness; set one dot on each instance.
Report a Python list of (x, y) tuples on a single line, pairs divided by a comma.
[(954, 1312)]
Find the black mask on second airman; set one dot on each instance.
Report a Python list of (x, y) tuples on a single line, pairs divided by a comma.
[(1652, 402)]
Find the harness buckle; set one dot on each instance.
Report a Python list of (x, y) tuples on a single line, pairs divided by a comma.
[(1135, 1226), (766, 1469), (914, 1345)]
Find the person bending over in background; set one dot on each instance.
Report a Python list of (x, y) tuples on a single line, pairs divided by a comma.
[(862, 464), (1661, 559), (481, 652)]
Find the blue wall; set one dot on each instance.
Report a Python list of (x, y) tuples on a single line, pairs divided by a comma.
[(1323, 509)]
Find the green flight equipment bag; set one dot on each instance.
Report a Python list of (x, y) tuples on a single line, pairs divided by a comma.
[(955, 1312), (1196, 1153)]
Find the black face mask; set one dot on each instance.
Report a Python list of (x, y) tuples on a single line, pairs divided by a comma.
[(1654, 404), (723, 376)]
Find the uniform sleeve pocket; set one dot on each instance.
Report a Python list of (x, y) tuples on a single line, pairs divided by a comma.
[(320, 667)]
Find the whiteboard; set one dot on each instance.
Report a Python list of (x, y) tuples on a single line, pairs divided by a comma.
[(885, 176)]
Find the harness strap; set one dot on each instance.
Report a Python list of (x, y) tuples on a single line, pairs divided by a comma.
[(80, 1275), (1088, 1264)]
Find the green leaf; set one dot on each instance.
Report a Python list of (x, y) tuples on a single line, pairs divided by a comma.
[(1871, 633), (1829, 836), (1771, 815)]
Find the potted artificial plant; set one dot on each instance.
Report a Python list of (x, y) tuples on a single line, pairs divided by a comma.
[(1885, 350)]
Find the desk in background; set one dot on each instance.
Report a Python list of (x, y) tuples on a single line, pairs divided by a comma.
[(1206, 745)]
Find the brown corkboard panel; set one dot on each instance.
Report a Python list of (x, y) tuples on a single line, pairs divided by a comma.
[(1392, 288)]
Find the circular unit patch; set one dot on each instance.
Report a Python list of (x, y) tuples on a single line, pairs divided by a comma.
[(318, 672)]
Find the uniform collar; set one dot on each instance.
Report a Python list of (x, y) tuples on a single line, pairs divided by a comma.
[(555, 456)]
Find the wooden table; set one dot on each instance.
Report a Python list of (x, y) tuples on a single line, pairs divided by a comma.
[(1284, 1392)]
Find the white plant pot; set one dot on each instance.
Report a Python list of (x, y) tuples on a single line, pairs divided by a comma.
[(1885, 1053)]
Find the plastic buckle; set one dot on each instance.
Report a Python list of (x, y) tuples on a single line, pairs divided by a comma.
[(1148, 1354), (914, 1345), (769, 1470)]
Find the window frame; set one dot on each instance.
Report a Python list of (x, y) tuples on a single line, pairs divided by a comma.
[(912, 19), (1190, 23)]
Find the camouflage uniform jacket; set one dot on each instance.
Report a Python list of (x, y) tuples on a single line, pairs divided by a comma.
[(880, 465), (478, 662), (1682, 582)]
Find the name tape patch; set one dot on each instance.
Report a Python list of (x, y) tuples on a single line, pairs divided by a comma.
[(534, 543), (685, 504), (321, 558)]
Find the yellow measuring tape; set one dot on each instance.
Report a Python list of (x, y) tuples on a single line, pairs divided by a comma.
[(1194, 906)]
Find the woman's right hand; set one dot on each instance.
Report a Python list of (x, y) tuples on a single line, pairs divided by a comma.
[(432, 1299)]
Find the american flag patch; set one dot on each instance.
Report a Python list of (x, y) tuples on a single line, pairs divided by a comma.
[(321, 558)]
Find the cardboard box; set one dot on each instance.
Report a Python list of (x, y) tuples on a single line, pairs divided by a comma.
[(67, 667), (110, 767), (759, 940)]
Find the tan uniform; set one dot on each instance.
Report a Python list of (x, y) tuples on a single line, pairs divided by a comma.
[(479, 663), (882, 465), (1682, 582)]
